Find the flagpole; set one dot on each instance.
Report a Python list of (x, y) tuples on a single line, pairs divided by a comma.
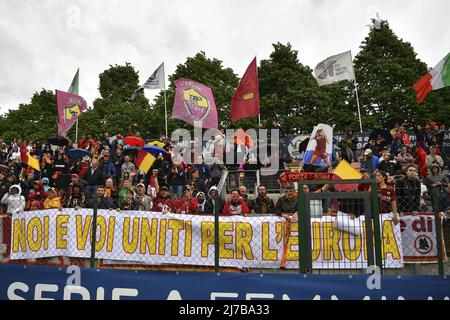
[(165, 101), (76, 133), (357, 97)]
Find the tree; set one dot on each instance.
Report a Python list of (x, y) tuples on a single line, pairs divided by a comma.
[(386, 68), (115, 110), (210, 72), (290, 94), (32, 121)]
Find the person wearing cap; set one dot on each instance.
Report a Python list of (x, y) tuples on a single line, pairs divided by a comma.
[(370, 161), (432, 159), (144, 202), (14, 200), (162, 202), (76, 198), (52, 201), (388, 165), (438, 186)]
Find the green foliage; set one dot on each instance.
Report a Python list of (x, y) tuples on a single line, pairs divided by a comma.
[(386, 68), (32, 121), (291, 95), (115, 110)]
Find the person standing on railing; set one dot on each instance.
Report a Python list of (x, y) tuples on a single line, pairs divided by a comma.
[(262, 204), (386, 195), (235, 204)]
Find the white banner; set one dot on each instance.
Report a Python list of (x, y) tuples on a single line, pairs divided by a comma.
[(419, 238), (153, 238)]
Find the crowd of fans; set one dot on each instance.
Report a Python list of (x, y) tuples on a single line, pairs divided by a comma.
[(409, 177)]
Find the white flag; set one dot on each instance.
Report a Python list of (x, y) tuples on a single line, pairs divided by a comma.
[(334, 69), (155, 81)]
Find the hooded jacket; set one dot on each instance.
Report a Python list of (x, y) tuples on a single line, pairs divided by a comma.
[(201, 205), (214, 205), (15, 203)]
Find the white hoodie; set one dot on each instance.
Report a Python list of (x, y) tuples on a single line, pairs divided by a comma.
[(16, 203)]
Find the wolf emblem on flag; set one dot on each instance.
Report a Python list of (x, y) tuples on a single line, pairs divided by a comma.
[(69, 107), (197, 105), (194, 102)]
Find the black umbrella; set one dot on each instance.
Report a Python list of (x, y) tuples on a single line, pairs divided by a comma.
[(384, 133), (303, 145), (58, 141), (131, 151), (390, 123)]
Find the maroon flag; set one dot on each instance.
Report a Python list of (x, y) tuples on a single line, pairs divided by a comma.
[(245, 102), (69, 107), (194, 102)]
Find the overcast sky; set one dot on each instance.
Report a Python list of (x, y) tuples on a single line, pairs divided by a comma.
[(42, 43)]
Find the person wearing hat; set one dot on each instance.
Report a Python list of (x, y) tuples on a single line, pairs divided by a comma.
[(37, 193), (52, 201), (162, 202), (432, 159), (438, 186), (370, 161), (144, 202), (14, 200)]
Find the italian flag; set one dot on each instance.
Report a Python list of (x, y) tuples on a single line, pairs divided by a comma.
[(437, 78)]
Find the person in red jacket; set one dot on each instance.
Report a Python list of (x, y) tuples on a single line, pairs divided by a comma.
[(162, 202), (420, 155), (187, 204), (235, 205), (36, 194)]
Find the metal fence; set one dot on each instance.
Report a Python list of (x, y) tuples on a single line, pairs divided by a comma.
[(333, 232)]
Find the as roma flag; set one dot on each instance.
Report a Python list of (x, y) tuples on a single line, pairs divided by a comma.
[(245, 102)]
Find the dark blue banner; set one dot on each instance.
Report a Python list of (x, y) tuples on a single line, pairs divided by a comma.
[(30, 283)]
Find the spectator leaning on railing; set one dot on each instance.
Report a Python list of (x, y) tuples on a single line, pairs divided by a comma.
[(262, 203), (14, 200), (235, 205)]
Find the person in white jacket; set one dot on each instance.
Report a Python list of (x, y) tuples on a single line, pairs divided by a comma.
[(14, 199)]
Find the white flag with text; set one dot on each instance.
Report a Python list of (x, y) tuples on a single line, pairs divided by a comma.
[(335, 68), (155, 81)]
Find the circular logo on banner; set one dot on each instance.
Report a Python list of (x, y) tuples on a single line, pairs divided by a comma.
[(423, 244)]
